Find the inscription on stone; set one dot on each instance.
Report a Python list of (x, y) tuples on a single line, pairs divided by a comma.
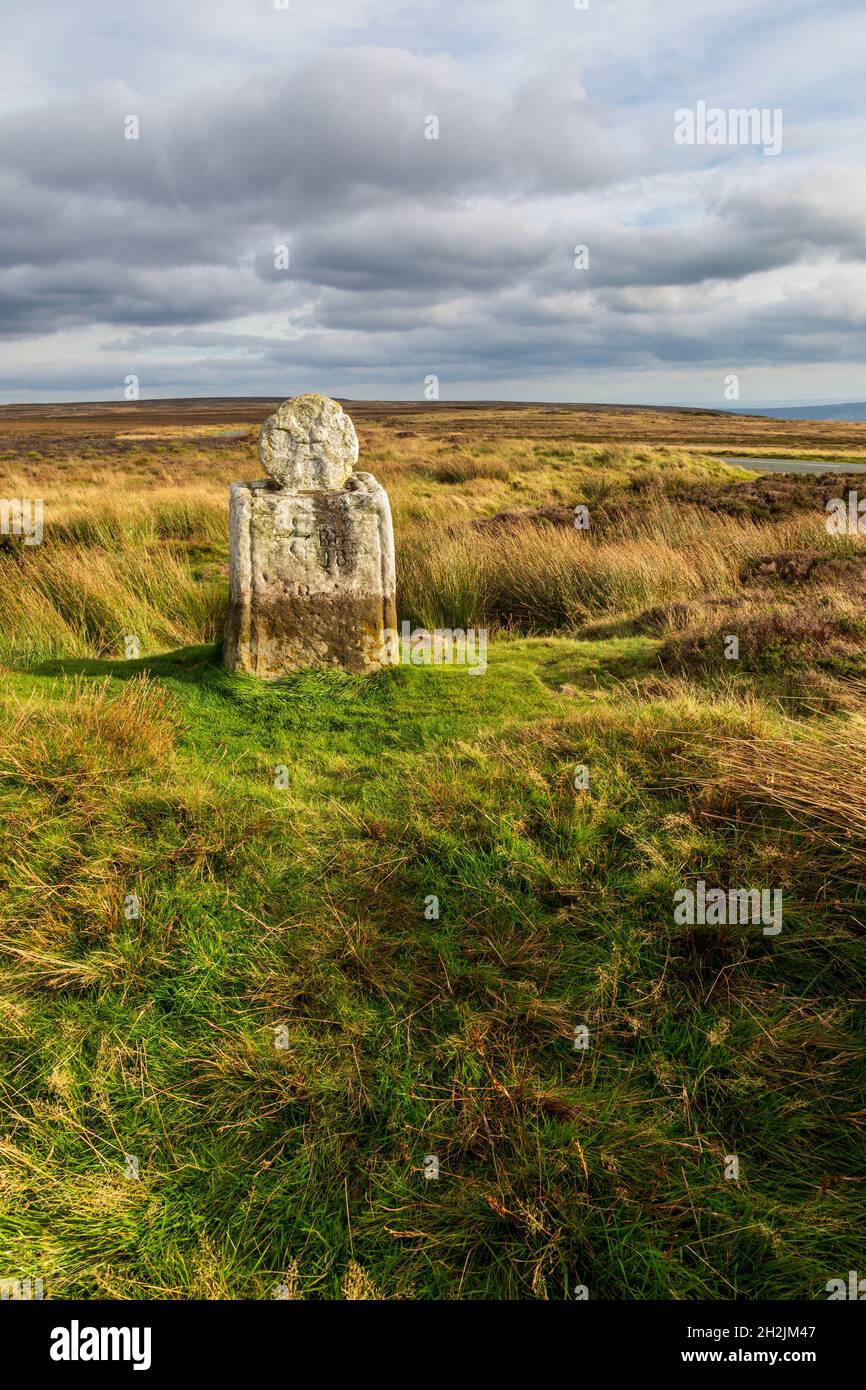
[(311, 565)]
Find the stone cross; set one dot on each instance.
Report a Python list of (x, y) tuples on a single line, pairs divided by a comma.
[(311, 559)]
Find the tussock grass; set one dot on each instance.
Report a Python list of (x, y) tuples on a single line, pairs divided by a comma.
[(163, 514), (467, 470), (547, 578), (150, 563), (82, 729), (78, 600)]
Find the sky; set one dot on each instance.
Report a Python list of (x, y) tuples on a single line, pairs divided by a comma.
[(284, 221)]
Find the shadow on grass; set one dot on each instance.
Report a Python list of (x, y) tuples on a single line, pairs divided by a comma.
[(202, 667), (195, 664)]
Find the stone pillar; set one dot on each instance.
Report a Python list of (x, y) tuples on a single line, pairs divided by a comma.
[(311, 563)]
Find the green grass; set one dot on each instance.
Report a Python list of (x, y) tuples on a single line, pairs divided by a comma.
[(305, 908), (302, 907)]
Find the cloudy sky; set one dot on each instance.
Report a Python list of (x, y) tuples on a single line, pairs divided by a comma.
[(303, 124)]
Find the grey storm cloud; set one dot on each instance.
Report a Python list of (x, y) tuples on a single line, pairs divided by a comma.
[(406, 254), (343, 126)]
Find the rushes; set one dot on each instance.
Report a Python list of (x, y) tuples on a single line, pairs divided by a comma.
[(125, 565), (195, 514), (73, 600), (541, 578)]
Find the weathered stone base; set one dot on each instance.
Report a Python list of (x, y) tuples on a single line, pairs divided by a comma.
[(312, 578)]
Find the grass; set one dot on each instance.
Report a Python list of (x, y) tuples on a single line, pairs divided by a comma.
[(81, 600), (152, 562), (246, 986)]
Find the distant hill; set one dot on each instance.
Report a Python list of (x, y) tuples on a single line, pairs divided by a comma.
[(856, 411), (255, 408)]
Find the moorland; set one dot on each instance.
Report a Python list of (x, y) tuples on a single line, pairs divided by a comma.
[(234, 983)]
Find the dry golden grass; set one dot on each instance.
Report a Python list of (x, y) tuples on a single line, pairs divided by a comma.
[(817, 780), (136, 544), (79, 729), (149, 559), (82, 599), (543, 578)]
